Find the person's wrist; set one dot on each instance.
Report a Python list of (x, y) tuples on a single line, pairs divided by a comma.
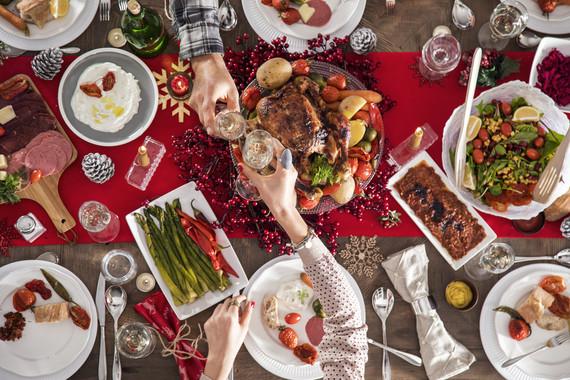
[(201, 62), (216, 368), (293, 224)]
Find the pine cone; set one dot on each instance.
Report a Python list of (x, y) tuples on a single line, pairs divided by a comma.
[(98, 167), (47, 63), (565, 228), (363, 40)]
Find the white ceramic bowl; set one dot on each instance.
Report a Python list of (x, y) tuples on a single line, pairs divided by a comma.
[(553, 118)]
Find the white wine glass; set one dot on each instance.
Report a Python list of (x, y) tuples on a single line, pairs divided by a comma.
[(230, 125), (257, 153), (497, 258), (507, 21)]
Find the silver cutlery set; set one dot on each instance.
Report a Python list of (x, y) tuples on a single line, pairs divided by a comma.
[(105, 8), (113, 300)]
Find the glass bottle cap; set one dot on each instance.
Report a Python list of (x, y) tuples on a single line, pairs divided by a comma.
[(116, 38)]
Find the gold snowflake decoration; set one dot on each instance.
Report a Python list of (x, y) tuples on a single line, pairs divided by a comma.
[(181, 107), (361, 256)]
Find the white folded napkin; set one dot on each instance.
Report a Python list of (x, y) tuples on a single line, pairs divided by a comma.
[(443, 356)]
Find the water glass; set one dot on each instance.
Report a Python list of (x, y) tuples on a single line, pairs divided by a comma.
[(135, 340), (507, 21), (257, 153), (497, 258), (230, 125), (118, 267), (101, 224), (440, 55)]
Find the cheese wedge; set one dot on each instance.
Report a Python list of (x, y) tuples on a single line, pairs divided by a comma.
[(7, 114), (306, 12)]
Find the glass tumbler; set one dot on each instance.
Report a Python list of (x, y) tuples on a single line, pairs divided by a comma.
[(118, 267), (101, 224), (507, 21), (230, 125), (497, 258), (440, 55), (257, 153), (135, 340)]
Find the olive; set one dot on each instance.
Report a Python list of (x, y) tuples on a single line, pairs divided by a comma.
[(370, 134), (365, 145)]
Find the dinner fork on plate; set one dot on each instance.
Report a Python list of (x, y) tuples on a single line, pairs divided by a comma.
[(552, 342), (104, 10), (390, 5), (551, 174), (122, 5)]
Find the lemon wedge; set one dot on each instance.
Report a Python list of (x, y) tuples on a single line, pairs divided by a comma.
[(468, 178), (58, 8), (526, 113), (357, 131), (351, 105), (473, 127)]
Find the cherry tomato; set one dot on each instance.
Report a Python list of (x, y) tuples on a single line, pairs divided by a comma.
[(506, 129), (363, 115), (267, 2), (553, 284), (23, 299), (280, 5), (306, 353), (288, 337), (541, 131), (338, 81), (290, 16), (292, 318), (499, 206), (532, 154), (506, 108), (483, 134), (330, 94), (538, 142), (308, 204), (364, 170), (478, 156), (331, 189), (301, 67), (250, 97), (477, 144), (353, 164), (35, 176), (2, 131), (518, 329)]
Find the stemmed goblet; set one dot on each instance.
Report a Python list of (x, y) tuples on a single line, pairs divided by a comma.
[(257, 153), (507, 21)]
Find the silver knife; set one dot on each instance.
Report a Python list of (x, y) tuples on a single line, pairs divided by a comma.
[(100, 303)]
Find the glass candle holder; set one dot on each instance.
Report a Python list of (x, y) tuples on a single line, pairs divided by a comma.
[(101, 224), (440, 55), (118, 267)]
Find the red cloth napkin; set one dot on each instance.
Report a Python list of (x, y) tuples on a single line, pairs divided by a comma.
[(156, 310)]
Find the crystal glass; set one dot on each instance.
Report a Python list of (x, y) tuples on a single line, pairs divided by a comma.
[(118, 267), (497, 258), (230, 125), (440, 55), (101, 224), (507, 21), (257, 153), (135, 340)]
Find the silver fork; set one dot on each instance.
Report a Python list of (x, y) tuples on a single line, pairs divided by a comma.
[(551, 175), (104, 10), (122, 5), (390, 5), (552, 342)]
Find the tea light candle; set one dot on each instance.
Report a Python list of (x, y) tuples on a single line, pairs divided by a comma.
[(179, 85), (116, 38), (145, 282)]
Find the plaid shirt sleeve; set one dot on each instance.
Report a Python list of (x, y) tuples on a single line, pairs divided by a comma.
[(196, 22)]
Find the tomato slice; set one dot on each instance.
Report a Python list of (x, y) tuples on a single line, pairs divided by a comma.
[(331, 189), (553, 284)]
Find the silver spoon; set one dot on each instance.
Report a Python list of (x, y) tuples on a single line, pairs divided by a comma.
[(116, 301), (528, 39), (227, 16), (383, 302), (562, 257), (462, 16)]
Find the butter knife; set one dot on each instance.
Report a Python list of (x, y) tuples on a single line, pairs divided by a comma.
[(100, 303)]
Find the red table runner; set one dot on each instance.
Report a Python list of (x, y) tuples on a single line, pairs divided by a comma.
[(416, 104)]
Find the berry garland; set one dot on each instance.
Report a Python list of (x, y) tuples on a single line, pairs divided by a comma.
[(7, 233), (215, 177), (494, 66)]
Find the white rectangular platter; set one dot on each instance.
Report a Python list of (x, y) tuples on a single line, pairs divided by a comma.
[(455, 264), (186, 194)]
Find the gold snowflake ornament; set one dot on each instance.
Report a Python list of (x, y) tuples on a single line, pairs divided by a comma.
[(361, 256), (181, 108)]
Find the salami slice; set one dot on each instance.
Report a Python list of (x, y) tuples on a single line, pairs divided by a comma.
[(48, 158), (315, 330), (52, 137)]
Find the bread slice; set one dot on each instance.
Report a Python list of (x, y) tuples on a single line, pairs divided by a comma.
[(534, 306)]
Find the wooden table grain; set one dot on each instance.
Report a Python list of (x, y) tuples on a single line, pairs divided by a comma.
[(405, 30)]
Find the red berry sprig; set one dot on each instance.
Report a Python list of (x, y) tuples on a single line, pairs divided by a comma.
[(7, 233)]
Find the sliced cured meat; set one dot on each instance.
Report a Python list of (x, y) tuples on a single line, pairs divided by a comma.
[(315, 330), (48, 158), (561, 306), (322, 15), (17, 161), (52, 137)]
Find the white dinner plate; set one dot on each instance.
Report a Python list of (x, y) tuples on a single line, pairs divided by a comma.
[(45, 351), (342, 11), (188, 193), (544, 48), (558, 22), (268, 30), (511, 290), (55, 33), (261, 342)]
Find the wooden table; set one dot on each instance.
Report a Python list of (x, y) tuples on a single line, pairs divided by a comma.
[(406, 30)]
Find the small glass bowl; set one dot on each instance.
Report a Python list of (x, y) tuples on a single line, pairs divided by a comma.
[(135, 340), (118, 267)]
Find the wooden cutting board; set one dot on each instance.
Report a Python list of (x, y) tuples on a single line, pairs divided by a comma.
[(46, 190)]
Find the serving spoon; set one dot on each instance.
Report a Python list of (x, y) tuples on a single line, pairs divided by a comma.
[(383, 302), (562, 257), (116, 301)]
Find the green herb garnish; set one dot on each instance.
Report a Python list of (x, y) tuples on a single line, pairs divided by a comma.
[(321, 172), (8, 189)]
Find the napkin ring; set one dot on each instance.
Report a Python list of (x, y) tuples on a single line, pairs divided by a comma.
[(424, 305)]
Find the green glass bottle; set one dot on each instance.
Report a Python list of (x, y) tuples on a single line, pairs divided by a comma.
[(143, 30)]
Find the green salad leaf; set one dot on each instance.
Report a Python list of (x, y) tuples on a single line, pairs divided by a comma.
[(8, 189), (518, 102)]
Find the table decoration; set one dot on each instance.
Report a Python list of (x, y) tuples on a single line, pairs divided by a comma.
[(363, 40), (7, 233), (155, 310), (361, 256), (565, 228), (97, 167), (47, 63), (144, 165), (443, 356), (116, 38), (179, 103), (494, 67)]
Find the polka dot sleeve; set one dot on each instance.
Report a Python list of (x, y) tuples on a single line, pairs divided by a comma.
[(344, 348)]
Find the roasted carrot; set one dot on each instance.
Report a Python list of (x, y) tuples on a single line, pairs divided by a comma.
[(14, 20), (370, 96)]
